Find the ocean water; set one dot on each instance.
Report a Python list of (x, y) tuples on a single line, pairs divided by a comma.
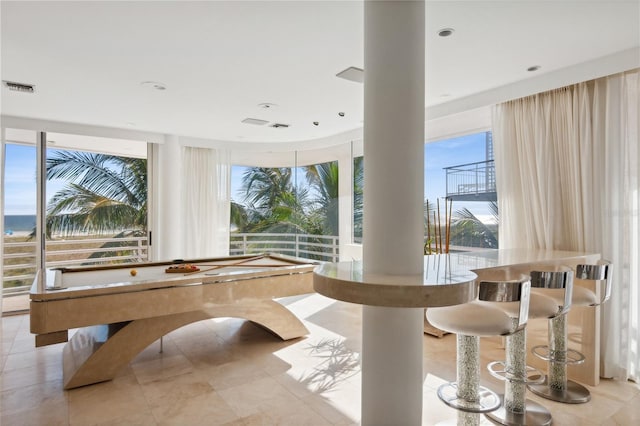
[(19, 223)]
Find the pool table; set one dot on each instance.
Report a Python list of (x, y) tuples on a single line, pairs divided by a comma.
[(121, 309)]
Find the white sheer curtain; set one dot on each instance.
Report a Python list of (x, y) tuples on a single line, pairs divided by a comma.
[(206, 210), (567, 172)]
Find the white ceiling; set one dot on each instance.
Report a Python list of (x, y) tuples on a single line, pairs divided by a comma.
[(219, 60)]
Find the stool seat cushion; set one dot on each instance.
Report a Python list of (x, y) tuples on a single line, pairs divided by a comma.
[(471, 319), (540, 306), (580, 296)]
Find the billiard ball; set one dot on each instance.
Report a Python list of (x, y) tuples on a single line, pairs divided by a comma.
[(133, 272)]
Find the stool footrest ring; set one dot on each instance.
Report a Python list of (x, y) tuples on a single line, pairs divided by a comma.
[(499, 370), (570, 356), (487, 399)]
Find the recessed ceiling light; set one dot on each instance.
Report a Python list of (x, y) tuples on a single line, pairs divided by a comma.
[(267, 105), (533, 68), (19, 87), (154, 85), (279, 125), (341, 114), (445, 32), (352, 74)]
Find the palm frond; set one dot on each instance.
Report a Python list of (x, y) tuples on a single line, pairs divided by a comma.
[(468, 228), (104, 193)]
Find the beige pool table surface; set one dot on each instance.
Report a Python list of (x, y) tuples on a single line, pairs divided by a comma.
[(83, 281)]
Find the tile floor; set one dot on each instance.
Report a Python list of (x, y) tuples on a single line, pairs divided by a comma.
[(230, 372)]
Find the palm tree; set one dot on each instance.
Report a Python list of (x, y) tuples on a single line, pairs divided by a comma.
[(273, 203), (266, 187), (324, 179), (468, 230), (239, 217), (104, 193)]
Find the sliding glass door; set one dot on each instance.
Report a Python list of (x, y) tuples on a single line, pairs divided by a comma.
[(94, 205)]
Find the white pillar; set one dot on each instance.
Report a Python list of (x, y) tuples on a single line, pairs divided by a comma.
[(168, 229), (393, 202)]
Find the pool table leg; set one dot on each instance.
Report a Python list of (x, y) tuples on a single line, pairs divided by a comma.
[(97, 353)]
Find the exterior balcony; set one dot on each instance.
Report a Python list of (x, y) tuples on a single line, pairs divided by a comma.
[(472, 182)]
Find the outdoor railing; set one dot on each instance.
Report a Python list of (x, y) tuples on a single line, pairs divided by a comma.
[(471, 179), (20, 257), (317, 247)]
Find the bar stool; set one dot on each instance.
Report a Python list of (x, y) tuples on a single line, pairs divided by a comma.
[(470, 321), (515, 408), (556, 386)]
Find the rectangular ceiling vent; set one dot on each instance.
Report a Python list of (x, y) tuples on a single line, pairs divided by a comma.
[(352, 74), (254, 121), (279, 125), (19, 87)]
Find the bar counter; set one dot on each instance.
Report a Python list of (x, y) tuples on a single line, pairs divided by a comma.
[(450, 279)]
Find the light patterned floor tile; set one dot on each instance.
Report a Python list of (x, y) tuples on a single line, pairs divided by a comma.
[(148, 371), (228, 371), (106, 402)]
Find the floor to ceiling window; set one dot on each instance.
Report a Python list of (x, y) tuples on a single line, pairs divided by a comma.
[(460, 195), (291, 210), (96, 206)]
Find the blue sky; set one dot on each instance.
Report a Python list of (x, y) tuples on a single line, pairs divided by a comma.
[(20, 183), (20, 180), (452, 152)]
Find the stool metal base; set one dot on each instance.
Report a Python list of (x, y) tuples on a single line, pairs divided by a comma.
[(535, 414), (575, 393), (487, 399)]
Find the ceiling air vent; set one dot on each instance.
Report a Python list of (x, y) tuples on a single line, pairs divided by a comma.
[(279, 125), (19, 87), (254, 121), (352, 74)]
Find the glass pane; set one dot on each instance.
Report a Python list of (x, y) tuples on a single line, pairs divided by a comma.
[(285, 208), (96, 205), (19, 220), (318, 188), (265, 214), (460, 195)]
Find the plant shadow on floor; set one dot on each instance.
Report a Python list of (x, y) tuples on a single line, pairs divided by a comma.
[(340, 363)]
